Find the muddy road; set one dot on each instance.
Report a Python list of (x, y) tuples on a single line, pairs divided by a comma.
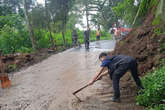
[(49, 85)]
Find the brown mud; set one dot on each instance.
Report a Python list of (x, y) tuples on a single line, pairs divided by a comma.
[(144, 44), (49, 84)]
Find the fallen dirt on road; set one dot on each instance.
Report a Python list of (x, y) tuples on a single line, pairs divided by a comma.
[(49, 84)]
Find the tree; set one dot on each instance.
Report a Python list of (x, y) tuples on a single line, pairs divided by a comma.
[(34, 44), (83, 5), (99, 12), (38, 17), (134, 14), (48, 21), (59, 12)]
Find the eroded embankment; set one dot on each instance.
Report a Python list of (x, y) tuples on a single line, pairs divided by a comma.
[(145, 44)]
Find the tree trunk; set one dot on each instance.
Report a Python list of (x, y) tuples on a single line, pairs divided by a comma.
[(64, 27), (48, 20), (32, 38), (137, 14), (87, 15), (63, 36), (51, 39)]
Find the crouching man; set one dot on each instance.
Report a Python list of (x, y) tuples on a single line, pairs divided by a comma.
[(117, 65)]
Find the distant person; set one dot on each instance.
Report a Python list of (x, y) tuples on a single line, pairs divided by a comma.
[(117, 66), (112, 32), (98, 34), (115, 32), (74, 37), (86, 38)]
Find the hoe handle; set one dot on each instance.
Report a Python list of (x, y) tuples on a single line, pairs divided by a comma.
[(80, 89), (84, 87)]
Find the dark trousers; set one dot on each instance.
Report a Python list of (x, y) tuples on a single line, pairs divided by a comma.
[(74, 41), (120, 71), (87, 44)]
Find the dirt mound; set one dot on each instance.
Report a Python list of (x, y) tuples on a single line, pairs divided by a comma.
[(13, 61), (143, 44)]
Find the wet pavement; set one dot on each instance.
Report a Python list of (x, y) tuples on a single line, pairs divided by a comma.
[(49, 85)]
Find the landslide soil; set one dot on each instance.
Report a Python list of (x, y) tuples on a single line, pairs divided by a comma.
[(144, 44)]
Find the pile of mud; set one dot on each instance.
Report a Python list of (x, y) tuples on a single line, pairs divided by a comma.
[(13, 61), (143, 44)]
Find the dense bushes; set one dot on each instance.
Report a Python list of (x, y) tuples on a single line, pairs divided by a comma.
[(14, 36), (154, 95)]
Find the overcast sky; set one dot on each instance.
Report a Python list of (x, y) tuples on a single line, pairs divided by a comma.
[(41, 1)]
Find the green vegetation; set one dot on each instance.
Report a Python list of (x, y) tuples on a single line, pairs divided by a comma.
[(134, 14), (26, 26), (44, 40), (126, 10), (162, 45), (156, 21), (159, 18), (104, 17), (146, 6), (153, 97), (14, 40), (12, 67), (14, 35)]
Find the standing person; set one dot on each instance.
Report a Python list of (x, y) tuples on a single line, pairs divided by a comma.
[(74, 37), (117, 65), (86, 38), (98, 34), (112, 32), (115, 31)]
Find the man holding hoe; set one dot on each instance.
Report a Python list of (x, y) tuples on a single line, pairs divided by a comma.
[(117, 66)]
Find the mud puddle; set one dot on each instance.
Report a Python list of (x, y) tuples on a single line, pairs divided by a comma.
[(49, 85)]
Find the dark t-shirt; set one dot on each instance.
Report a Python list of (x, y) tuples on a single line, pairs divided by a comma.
[(112, 62), (74, 34), (86, 35)]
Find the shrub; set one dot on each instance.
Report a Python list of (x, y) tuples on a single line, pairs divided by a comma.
[(154, 95), (12, 67), (13, 34)]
